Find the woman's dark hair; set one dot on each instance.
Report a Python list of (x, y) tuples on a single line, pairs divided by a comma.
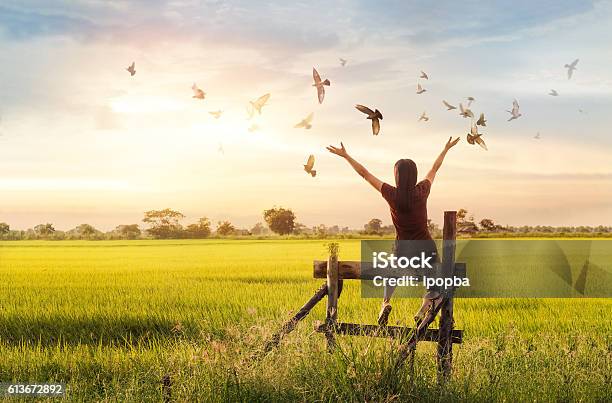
[(405, 182)]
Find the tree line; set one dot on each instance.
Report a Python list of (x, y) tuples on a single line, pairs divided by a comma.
[(166, 224)]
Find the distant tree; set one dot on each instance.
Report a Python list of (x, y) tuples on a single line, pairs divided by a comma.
[(225, 228), (129, 231), (320, 231), (373, 227), (85, 231), (487, 224), (164, 223), (465, 225), (433, 228), (300, 229), (461, 214), (44, 230), (258, 229), (4, 229), (201, 229), (280, 220)]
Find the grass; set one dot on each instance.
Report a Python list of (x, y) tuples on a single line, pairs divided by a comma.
[(111, 318)]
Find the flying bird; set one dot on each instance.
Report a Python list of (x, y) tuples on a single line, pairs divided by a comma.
[(306, 123), (481, 120), (197, 92), (515, 111), (465, 112), (309, 165), (424, 75), (258, 104), (319, 84), (424, 117), (253, 128), (449, 107), (216, 114), (375, 116), (537, 136), (470, 100), (132, 69), (554, 93), (420, 89), (473, 137), (220, 149), (342, 62), (570, 68)]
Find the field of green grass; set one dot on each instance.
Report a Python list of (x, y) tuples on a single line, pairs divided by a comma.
[(111, 318)]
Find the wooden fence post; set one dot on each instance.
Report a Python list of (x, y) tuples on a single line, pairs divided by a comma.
[(445, 345), (331, 318)]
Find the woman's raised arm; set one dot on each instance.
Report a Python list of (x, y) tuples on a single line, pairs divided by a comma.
[(438, 162), (360, 169)]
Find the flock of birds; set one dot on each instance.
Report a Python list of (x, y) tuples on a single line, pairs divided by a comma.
[(474, 137)]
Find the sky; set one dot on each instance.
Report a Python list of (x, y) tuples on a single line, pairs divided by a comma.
[(81, 141)]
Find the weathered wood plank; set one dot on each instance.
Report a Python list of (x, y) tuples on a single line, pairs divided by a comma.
[(332, 295), (444, 356), (346, 269), (356, 329)]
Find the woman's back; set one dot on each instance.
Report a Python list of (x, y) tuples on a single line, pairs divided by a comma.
[(410, 224)]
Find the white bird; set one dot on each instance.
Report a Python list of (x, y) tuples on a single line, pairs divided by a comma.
[(449, 107), (257, 104), (220, 149), (132, 69), (319, 84), (420, 89), (342, 62), (515, 111), (465, 112), (306, 123), (309, 165), (197, 92), (424, 117), (570, 68), (554, 93), (253, 128), (473, 137), (216, 114), (424, 75)]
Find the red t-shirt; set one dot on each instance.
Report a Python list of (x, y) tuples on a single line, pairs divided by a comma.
[(410, 225)]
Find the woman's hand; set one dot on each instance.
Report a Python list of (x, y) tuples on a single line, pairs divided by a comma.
[(451, 143), (338, 151)]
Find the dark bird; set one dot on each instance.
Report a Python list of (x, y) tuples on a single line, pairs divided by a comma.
[(216, 114), (420, 89), (309, 165), (424, 75), (473, 137), (319, 84), (258, 104), (570, 68), (343, 62), (132, 69), (449, 107), (375, 116), (424, 117), (554, 93), (537, 136), (306, 123), (481, 120), (515, 111), (197, 92)]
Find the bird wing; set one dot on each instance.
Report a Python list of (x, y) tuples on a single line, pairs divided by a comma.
[(320, 93), (299, 125), (481, 120), (474, 130), (515, 106), (262, 100), (309, 117), (375, 126), (364, 109), (574, 63), (316, 76), (481, 142), (310, 163), (461, 108), (424, 75), (449, 105), (419, 88)]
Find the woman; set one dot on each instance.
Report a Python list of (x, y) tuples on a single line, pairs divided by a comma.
[(408, 204)]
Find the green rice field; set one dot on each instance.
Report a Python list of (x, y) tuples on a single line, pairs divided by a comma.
[(111, 318)]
